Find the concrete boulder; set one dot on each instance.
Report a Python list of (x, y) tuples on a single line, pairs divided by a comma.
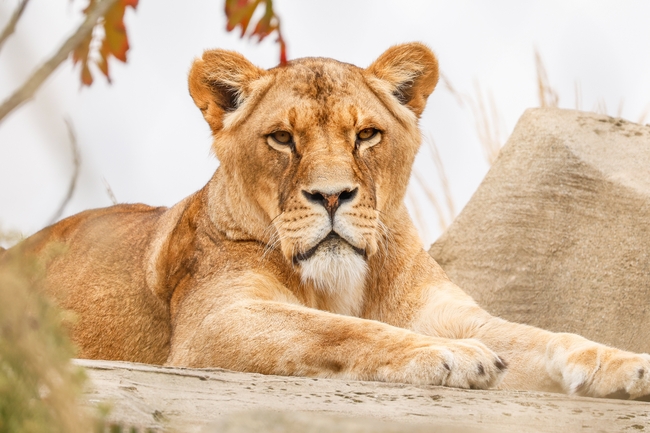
[(558, 233)]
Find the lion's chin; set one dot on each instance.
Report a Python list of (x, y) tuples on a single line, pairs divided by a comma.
[(334, 266)]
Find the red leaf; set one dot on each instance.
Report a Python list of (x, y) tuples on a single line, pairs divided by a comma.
[(102, 63), (240, 13), (264, 27), (80, 55), (114, 42)]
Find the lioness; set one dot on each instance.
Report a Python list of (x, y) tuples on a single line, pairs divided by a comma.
[(298, 257)]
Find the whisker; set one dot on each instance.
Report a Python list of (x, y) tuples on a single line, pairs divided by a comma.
[(386, 238), (274, 237)]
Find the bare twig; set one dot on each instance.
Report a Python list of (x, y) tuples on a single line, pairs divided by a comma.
[(40, 75), (11, 25), (548, 97), (75, 175), (109, 191)]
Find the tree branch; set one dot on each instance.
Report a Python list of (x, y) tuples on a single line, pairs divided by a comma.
[(11, 25), (41, 74), (75, 175)]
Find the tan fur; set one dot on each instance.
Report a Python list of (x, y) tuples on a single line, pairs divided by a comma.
[(225, 278)]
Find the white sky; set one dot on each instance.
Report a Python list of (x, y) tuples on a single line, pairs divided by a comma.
[(144, 135)]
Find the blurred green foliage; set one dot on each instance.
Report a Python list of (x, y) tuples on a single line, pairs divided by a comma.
[(39, 387)]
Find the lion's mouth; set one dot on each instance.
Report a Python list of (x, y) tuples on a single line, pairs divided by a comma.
[(331, 242)]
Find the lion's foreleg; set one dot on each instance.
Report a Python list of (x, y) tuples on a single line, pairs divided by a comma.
[(278, 337), (568, 361), (537, 359)]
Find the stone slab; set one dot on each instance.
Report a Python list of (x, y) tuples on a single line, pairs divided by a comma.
[(216, 400)]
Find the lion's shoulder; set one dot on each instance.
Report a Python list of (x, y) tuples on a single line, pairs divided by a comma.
[(95, 226)]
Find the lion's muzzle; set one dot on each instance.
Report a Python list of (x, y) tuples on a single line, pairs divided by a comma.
[(331, 244)]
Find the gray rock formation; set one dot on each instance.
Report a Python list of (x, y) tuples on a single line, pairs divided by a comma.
[(558, 233)]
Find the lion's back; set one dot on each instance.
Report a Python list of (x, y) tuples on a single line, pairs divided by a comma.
[(95, 266)]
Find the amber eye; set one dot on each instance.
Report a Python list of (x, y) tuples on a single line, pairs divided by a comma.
[(282, 137), (366, 134)]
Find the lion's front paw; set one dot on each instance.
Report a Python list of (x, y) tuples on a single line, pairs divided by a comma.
[(458, 363), (612, 373), (600, 371)]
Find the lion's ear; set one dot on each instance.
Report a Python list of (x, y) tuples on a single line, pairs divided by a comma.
[(412, 72), (219, 83)]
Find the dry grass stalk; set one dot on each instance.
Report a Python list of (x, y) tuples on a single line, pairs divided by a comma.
[(644, 115), (442, 176), (431, 196), (488, 125), (420, 221), (578, 95), (486, 116), (444, 208), (619, 112), (548, 97), (487, 121), (600, 107)]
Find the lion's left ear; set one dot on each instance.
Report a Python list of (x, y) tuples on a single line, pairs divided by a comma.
[(411, 70)]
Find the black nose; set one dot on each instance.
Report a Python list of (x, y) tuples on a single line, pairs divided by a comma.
[(331, 201)]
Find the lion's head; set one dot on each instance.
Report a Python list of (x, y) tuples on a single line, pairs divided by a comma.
[(315, 152)]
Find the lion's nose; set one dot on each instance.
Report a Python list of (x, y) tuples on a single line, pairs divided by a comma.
[(331, 201)]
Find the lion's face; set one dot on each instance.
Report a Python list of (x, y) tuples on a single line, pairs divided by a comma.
[(318, 150)]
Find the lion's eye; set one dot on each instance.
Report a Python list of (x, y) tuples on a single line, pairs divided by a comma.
[(282, 137), (367, 134), (368, 137)]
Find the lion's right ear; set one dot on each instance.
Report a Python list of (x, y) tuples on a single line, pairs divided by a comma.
[(411, 72), (220, 82)]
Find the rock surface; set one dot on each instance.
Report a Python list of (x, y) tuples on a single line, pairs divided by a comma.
[(558, 233), (216, 400)]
